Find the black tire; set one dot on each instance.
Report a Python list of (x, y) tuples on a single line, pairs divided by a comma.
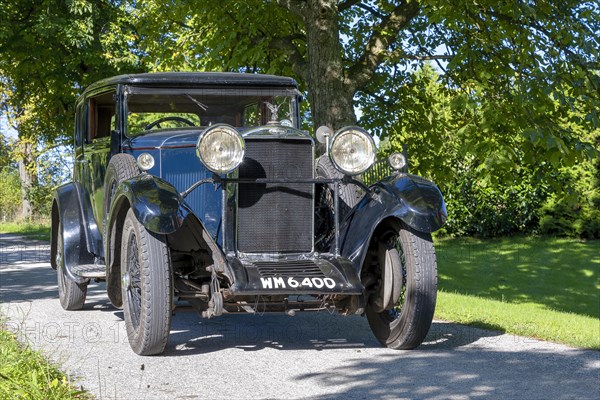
[(349, 194), (147, 287), (121, 167), (71, 294), (406, 322)]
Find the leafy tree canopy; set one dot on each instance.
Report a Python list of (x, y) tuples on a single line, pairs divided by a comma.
[(532, 64), (49, 51)]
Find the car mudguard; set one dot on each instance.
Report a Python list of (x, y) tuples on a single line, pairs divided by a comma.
[(155, 203), (410, 198), (82, 242), (160, 208)]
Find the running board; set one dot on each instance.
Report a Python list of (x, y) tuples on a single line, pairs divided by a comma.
[(90, 271)]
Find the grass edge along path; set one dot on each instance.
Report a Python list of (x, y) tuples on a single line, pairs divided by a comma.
[(522, 319), (541, 287), (34, 230), (27, 374), (24, 372)]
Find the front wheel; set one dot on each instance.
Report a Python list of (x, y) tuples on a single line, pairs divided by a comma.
[(403, 286), (147, 287), (350, 194)]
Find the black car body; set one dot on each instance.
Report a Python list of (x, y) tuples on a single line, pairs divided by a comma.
[(202, 187)]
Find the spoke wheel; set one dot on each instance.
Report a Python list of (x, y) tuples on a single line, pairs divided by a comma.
[(403, 322), (350, 194), (120, 168), (71, 294), (147, 287), (134, 282), (324, 225)]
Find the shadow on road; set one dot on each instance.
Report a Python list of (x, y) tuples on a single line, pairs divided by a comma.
[(15, 249), (319, 331), (466, 373)]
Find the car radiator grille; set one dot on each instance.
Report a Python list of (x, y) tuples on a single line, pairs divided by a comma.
[(276, 217)]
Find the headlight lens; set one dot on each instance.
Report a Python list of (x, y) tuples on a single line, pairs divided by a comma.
[(145, 161), (220, 148), (352, 150), (397, 161)]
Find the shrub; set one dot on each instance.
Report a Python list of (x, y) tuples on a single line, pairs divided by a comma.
[(576, 211), (10, 193)]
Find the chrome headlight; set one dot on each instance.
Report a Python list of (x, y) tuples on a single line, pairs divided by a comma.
[(145, 161), (220, 148), (352, 150), (397, 161)]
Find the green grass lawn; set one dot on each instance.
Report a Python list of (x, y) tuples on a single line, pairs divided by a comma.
[(547, 288), (25, 374), (36, 230)]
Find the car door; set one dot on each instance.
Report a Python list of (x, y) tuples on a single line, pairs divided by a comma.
[(101, 121)]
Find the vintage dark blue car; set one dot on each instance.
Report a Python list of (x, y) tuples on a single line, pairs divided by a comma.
[(201, 187)]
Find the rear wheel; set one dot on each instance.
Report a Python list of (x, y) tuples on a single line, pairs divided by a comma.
[(147, 287), (403, 287), (121, 167), (71, 294)]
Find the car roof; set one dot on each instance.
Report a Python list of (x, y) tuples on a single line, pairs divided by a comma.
[(194, 79)]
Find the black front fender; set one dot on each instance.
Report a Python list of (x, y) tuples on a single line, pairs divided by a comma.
[(158, 206), (155, 203), (419, 204), (410, 198), (81, 240)]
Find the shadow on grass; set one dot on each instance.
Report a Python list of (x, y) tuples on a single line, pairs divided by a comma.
[(561, 274)]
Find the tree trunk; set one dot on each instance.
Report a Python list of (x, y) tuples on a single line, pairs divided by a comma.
[(27, 173), (330, 100)]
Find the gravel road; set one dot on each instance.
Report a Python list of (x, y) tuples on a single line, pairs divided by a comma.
[(318, 356)]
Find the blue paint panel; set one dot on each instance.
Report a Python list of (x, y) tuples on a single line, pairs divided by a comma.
[(182, 169)]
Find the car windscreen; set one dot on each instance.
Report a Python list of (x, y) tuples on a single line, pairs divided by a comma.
[(158, 108)]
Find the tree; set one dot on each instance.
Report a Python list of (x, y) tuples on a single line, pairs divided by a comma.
[(299, 38), (524, 78), (512, 56), (520, 72), (490, 183), (49, 51), (10, 187)]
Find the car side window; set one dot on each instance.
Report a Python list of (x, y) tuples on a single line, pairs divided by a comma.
[(101, 116), (79, 124)]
